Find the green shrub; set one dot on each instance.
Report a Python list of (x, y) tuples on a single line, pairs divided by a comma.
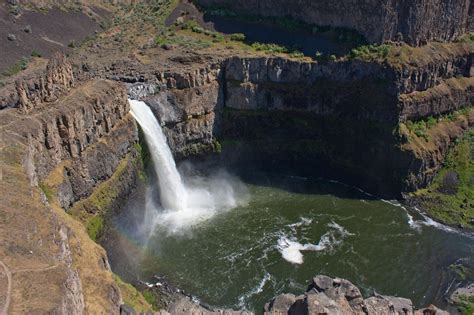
[(217, 146), (189, 25), (237, 37), (48, 191), (197, 29), (430, 122), (161, 40), (370, 52), (270, 48), (22, 64), (94, 227), (296, 54), (319, 56), (35, 53), (150, 297)]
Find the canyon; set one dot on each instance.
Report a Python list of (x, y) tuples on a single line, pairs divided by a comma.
[(72, 154)]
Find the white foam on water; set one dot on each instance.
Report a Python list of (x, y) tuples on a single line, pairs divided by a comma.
[(340, 229), (184, 202), (302, 222), (291, 249), (427, 221), (412, 223), (255, 290)]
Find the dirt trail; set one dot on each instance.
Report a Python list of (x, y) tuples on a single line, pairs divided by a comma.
[(9, 289)]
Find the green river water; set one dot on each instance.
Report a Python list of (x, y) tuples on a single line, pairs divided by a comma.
[(236, 259)]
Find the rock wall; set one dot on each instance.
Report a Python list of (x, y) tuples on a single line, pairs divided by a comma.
[(184, 100), (414, 22), (326, 89), (45, 87), (343, 116), (59, 145)]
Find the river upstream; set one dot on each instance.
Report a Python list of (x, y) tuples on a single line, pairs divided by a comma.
[(236, 243)]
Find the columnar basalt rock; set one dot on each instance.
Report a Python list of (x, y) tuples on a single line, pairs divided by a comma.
[(414, 22), (351, 107), (184, 101), (47, 88), (58, 153)]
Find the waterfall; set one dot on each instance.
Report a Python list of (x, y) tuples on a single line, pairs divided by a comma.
[(173, 194), (184, 203)]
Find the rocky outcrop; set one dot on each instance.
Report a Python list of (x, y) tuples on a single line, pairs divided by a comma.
[(435, 64), (324, 89), (44, 88), (425, 155), (59, 153), (414, 22), (451, 95), (339, 296), (184, 100), (69, 129), (344, 115)]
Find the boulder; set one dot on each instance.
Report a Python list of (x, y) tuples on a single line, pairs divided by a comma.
[(326, 295), (126, 310), (431, 310), (282, 303)]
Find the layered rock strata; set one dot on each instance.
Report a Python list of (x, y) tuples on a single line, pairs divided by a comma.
[(414, 22), (54, 154)]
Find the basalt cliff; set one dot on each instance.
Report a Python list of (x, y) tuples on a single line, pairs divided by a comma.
[(415, 22)]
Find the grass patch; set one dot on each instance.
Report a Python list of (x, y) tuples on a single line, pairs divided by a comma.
[(466, 305), (35, 54), (132, 297), (237, 37), (92, 210), (48, 191), (462, 271), (217, 146), (182, 41), (152, 13), (454, 204), (151, 298), (21, 65), (421, 127), (270, 48), (94, 226), (370, 52)]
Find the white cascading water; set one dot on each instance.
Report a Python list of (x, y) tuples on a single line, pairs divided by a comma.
[(172, 192), (184, 205)]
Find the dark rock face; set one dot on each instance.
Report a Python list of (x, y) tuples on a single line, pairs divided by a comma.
[(323, 89), (339, 296), (338, 116), (69, 130), (343, 116), (414, 22), (184, 101)]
